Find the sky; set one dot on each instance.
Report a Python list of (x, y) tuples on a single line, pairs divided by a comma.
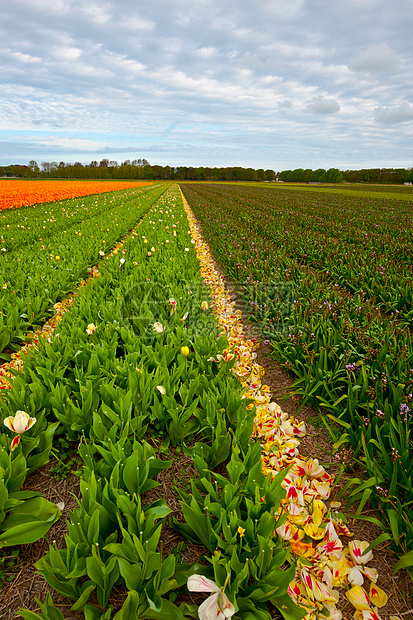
[(276, 84)]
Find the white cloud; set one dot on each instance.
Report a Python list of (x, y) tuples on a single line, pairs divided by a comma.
[(98, 13), (66, 53), (23, 58), (57, 6), (236, 80), (206, 52), (134, 22)]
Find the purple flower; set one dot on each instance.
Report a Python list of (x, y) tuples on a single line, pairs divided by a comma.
[(351, 367)]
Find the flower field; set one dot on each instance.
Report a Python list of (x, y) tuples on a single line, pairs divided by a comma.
[(345, 331), (45, 251), (145, 364), (16, 193)]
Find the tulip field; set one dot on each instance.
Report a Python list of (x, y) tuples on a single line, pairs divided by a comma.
[(347, 256), (15, 193), (117, 334)]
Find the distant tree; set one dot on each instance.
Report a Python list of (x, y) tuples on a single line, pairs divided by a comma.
[(318, 175), (34, 167), (285, 175), (334, 175), (148, 173), (6, 171), (297, 175), (54, 169), (270, 175), (408, 177)]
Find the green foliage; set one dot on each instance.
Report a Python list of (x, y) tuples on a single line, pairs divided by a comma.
[(25, 516), (102, 390), (48, 611), (75, 231), (328, 284), (234, 519)]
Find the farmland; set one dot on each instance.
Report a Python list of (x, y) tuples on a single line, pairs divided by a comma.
[(53, 247), (345, 256), (16, 193), (139, 375)]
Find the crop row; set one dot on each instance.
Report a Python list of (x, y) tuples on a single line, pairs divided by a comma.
[(130, 372), (15, 193), (46, 250), (349, 356), (365, 249)]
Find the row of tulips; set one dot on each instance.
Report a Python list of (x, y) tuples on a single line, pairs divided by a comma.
[(139, 356), (15, 193), (365, 249), (348, 356), (323, 562), (47, 249)]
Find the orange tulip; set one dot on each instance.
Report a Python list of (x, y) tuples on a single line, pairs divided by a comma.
[(15, 193)]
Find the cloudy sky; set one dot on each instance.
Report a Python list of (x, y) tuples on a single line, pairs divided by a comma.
[(271, 83)]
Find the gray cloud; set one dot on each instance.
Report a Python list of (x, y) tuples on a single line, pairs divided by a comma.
[(376, 59), (402, 113), (323, 106)]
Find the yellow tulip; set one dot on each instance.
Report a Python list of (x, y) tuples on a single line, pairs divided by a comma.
[(20, 423), (313, 531), (185, 351), (357, 596), (377, 596)]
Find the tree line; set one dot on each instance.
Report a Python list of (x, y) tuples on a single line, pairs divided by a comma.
[(135, 169), (141, 169), (333, 175)]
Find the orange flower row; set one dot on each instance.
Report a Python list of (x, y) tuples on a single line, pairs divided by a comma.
[(17, 193)]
